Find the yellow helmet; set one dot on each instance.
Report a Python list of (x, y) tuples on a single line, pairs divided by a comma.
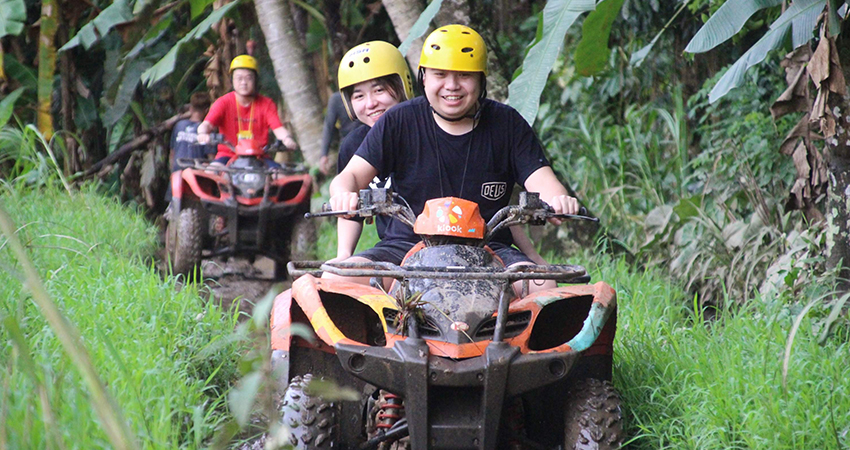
[(372, 60), (244, 62), (454, 47)]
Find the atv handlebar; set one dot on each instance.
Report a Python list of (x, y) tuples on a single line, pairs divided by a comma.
[(373, 202), (219, 139), (530, 210)]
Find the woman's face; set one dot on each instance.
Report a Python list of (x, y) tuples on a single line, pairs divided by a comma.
[(370, 100)]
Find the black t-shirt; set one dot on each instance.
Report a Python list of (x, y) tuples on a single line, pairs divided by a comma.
[(346, 151), (426, 162), (349, 145), (184, 142)]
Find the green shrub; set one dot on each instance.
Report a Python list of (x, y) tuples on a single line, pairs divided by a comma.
[(161, 352), (692, 383)]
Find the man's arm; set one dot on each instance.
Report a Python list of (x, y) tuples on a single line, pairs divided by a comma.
[(328, 128), (544, 181), (283, 135), (345, 187), (204, 130)]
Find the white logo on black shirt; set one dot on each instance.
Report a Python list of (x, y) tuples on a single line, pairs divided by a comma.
[(494, 190)]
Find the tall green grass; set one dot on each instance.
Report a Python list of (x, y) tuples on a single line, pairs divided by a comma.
[(328, 239), (691, 383), (163, 353)]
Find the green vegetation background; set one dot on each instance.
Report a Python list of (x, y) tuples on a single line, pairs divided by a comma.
[(167, 355)]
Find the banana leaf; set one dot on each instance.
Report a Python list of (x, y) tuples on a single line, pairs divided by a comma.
[(800, 18), (726, 22), (558, 16), (13, 14), (165, 66)]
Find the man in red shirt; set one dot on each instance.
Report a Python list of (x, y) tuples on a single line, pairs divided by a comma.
[(243, 113)]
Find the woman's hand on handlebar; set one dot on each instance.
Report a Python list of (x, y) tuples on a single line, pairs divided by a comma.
[(563, 204), (345, 201)]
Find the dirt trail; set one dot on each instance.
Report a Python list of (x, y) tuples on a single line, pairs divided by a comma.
[(231, 279), (237, 278)]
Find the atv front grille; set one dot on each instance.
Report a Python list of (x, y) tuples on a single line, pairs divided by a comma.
[(516, 323)]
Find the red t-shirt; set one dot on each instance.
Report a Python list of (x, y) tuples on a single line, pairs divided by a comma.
[(230, 121)]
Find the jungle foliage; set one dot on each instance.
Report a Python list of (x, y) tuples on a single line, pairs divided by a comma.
[(703, 133)]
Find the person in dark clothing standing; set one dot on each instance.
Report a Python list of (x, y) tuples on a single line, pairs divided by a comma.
[(184, 135), (335, 114)]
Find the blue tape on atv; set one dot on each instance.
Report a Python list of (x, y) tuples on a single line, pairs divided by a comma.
[(590, 330)]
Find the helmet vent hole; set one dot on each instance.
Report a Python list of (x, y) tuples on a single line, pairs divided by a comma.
[(351, 64), (464, 32), (435, 46), (466, 49), (366, 60), (444, 31)]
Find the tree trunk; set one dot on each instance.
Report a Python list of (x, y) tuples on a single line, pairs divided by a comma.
[(68, 75), (403, 14), (838, 199), (336, 33), (292, 74), (46, 65), (455, 12)]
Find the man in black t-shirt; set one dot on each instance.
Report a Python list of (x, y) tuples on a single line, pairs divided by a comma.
[(452, 142)]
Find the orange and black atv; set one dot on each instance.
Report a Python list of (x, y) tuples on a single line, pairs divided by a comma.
[(244, 208), (451, 357)]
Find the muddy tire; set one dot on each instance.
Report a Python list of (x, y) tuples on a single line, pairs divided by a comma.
[(183, 241), (302, 243), (592, 416), (313, 423)]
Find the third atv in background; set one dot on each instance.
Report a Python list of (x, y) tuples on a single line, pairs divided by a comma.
[(244, 208), (452, 357)]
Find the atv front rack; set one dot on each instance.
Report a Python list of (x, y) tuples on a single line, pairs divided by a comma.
[(558, 272)]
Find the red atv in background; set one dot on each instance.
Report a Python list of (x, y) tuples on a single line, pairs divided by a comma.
[(244, 208), (452, 357)]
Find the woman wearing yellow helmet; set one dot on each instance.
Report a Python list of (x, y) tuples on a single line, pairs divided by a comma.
[(373, 77), (243, 113), (452, 142)]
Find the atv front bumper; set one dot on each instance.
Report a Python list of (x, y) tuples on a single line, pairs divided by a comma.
[(454, 403)]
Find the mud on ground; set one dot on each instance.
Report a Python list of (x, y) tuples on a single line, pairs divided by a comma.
[(229, 280), (238, 279)]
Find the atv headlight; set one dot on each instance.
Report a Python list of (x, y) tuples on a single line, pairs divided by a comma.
[(249, 183)]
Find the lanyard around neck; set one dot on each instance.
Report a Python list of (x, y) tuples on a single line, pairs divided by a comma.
[(239, 117)]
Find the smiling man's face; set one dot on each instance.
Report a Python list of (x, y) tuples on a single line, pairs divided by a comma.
[(452, 94)]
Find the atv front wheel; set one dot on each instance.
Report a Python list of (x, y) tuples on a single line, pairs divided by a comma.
[(300, 246), (183, 242), (313, 423), (592, 416), (302, 242)]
